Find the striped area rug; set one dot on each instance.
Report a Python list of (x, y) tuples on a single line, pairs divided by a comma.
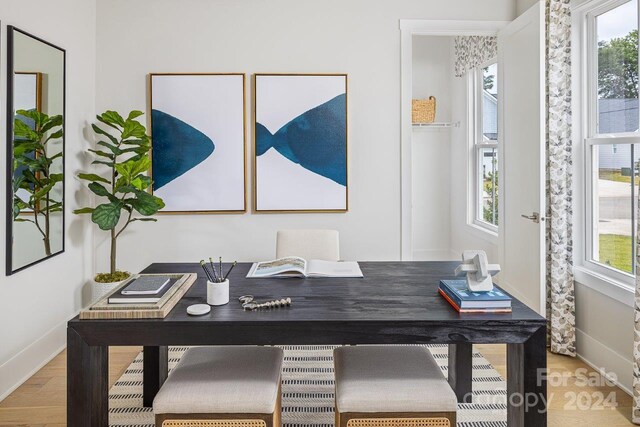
[(307, 388)]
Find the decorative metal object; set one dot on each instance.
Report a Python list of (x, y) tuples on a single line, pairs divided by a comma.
[(248, 303)]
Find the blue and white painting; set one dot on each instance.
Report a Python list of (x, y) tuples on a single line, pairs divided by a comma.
[(301, 142), (198, 141)]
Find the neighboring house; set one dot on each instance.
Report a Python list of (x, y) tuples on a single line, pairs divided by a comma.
[(617, 115), (489, 116), (489, 128)]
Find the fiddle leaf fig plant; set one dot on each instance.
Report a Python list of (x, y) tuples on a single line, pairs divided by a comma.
[(34, 171), (123, 159)]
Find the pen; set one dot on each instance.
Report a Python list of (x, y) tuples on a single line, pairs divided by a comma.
[(220, 260)]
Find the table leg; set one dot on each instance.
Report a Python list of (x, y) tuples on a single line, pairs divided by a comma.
[(526, 381), (460, 370), (87, 383), (155, 371)]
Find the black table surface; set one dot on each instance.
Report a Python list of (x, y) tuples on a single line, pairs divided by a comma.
[(389, 292)]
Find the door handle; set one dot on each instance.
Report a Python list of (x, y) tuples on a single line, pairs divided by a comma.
[(535, 217)]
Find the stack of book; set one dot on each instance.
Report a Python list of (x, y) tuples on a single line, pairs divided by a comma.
[(458, 295)]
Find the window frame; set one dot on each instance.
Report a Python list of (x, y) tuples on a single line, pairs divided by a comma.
[(590, 138), (477, 144)]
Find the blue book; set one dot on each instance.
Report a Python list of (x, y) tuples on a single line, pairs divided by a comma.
[(459, 294)]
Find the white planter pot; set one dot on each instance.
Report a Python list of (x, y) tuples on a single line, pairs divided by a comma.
[(98, 290)]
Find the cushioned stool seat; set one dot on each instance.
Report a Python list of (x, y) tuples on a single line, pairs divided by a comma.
[(222, 386), (391, 386)]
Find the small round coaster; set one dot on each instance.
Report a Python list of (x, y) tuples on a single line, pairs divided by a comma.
[(198, 309)]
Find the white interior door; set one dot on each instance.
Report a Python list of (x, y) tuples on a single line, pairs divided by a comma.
[(521, 121)]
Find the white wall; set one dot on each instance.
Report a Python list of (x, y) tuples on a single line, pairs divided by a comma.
[(523, 5), (36, 303), (430, 151), (358, 37)]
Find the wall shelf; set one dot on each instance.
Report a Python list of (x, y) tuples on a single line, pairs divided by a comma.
[(435, 125)]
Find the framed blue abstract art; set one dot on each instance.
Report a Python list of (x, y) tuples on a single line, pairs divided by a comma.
[(198, 137), (300, 143)]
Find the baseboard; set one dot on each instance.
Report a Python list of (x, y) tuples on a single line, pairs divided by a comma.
[(604, 360), (18, 369)]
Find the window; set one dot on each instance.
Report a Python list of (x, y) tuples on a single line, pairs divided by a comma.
[(612, 139), (484, 83)]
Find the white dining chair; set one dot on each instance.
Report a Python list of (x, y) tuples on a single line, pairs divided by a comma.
[(308, 244)]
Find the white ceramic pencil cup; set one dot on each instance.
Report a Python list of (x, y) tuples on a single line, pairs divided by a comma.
[(218, 292)]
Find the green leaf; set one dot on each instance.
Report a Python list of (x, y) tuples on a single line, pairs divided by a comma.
[(101, 153), (56, 177), (43, 191), (92, 177), (55, 135), (99, 189), (133, 129), (22, 220), (100, 162), (114, 149), (83, 211), (146, 204), (51, 122), (55, 156), (107, 215), (134, 114), (97, 129), (140, 141), (112, 117), (141, 182), (16, 211), (22, 130), (24, 147)]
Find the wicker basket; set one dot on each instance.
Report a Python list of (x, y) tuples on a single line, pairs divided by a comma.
[(423, 110)]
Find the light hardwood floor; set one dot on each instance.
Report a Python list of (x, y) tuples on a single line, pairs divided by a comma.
[(41, 401)]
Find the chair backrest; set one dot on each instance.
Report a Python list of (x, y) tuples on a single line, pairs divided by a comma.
[(308, 244)]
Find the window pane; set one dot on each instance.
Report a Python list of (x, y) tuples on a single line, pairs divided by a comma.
[(613, 207), (617, 34), (490, 103), (488, 171)]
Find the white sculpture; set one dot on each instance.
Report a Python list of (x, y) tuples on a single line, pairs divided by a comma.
[(478, 270)]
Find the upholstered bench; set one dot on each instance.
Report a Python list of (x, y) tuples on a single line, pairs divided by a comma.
[(391, 386), (222, 387)]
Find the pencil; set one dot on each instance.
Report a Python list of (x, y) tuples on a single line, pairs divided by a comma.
[(230, 268), (213, 267)]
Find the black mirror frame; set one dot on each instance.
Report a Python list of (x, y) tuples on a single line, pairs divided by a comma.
[(10, 117)]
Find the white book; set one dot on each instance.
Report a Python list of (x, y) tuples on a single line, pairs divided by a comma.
[(299, 267)]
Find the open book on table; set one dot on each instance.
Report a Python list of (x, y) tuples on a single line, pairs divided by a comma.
[(299, 267)]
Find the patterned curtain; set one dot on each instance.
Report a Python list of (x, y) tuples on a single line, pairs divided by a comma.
[(560, 287), (473, 51), (636, 334)]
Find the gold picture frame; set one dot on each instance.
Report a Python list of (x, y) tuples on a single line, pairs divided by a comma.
[(244, 145), (254, 145)]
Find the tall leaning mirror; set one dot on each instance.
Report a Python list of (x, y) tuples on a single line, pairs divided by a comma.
[(35, 149)]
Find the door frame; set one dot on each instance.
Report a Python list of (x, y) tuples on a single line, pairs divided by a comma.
[(408, 29)]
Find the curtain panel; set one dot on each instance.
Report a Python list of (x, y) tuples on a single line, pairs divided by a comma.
[(560, 284), (473, 51)]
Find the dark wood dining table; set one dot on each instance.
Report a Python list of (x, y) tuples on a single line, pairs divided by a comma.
[(395, 303)]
